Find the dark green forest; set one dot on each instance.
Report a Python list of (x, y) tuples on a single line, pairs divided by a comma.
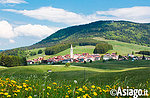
[(137, 33), (10, 60)]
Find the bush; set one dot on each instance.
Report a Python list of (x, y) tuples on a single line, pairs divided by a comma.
[(40, 52), (90, 61), (32, 53), (102, 48), (67, 64)]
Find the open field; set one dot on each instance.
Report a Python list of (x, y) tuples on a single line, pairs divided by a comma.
[(94, 79), (76, 72), (124, 48)]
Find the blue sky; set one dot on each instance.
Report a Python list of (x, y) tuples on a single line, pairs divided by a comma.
[(25, 22)]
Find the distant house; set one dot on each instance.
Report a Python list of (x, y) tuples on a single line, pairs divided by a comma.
[(66, 61), (107, 57), (30, 62)]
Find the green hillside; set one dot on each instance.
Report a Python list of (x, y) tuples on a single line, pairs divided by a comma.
[(121, 48), (137, 33)]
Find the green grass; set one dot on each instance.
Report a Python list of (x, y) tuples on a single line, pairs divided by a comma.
[(93, 70), (124, 48), (115, 65), (118, 73)]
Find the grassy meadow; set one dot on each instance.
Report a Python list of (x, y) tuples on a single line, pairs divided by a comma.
[(123, 48), (90, 80)]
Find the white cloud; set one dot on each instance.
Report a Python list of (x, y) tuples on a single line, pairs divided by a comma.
[(12, 1), (55, 15), (40, 31), (11, 41), (34, 30), (6, 30), (135, 14)]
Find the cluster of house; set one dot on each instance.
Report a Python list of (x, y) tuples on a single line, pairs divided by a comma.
[(84, 57), (67, 59)]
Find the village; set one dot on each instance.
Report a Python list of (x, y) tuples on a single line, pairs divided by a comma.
[(83, 58)]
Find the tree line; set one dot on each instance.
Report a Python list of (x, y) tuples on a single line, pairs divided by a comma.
[(56, 49), (143, 52), (10, 60)]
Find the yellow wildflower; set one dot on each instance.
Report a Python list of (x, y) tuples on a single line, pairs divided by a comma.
[(1, 93), (80, 89), (8, 96), (95, 94), (27, 80), (26, 89), (67, 96), (15, 94), (84, 96), (47, 93), (93, 86), (19, 87), (30, 97), (48, 87), (5, 93), (54, 83)]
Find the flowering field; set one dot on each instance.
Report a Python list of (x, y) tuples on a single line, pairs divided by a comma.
[(12, 88), (62, 82), (32, 89)]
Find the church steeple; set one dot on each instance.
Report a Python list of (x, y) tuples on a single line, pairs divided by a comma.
[(71, 52)]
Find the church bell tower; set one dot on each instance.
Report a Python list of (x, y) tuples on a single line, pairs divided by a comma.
[(71, 52)]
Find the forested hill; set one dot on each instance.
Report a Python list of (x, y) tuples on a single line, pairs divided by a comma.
[(124, 31)]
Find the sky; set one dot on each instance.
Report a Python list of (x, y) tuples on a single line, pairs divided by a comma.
[(26, 22)]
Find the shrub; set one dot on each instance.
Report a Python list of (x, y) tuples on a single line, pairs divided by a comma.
[(67, 64), (40, 52), (90, 61), (32, 53), (102, 48)]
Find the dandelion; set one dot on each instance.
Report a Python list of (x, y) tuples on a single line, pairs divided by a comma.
[(67, 96), (15, 94), (1, 93), (30, 97), (80, 89), (95, 94), (8, 96), (84, 96), (19, 87), (26, 89), (47, 93), (26, 80), (48, 87), (93, 86), (54, 83)]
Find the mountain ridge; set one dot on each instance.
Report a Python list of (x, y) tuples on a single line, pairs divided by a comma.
[(113, 30)]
